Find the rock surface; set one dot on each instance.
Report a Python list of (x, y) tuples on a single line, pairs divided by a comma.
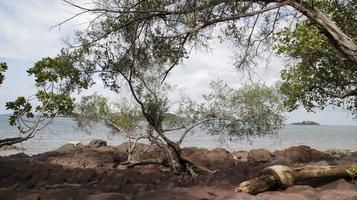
[(106, 196), (257, 156), (337, 154), (97, 143), (90, 172), (301, 154), (240, 155)]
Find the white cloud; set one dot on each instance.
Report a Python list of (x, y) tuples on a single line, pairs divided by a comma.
[(25, 28)]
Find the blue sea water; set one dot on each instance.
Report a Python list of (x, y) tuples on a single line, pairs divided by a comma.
[(63, 130)]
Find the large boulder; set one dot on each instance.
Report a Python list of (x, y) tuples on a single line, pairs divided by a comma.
[(240, 155), (68, 148), (220, 158), (91, 158), (301, 154), (257, 156), (348, 160), (73, 156), (337, 154), (217, 158), (197, 155), (97, 143)]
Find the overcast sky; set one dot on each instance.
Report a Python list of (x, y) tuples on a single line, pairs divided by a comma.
[(25, 37)]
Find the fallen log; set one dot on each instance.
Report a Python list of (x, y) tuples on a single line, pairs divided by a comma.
[(282, 176)]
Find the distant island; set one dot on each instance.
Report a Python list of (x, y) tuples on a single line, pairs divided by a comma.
[(306, 123)]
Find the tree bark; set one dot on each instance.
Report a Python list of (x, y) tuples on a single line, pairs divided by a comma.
[(338, 38), (14, 140), (281, 176)]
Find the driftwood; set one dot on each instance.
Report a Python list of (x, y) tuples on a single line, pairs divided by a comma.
[(281, 176)]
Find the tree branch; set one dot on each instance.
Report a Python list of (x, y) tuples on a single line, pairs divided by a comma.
[(229, 18)]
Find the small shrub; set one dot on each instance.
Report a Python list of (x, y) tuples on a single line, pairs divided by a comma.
[(352, 172)]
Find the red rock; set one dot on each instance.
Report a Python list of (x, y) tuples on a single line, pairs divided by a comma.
[(172, 194), (336, 153), (302, 154), (338, 195), (298, 154), (240, 155), (87, 158), (220, 158), (279, 155), (349, 160), (319, 156), (154, 152), (67, 148), (238, 196), (259, 156), (97, 143), (197, 155), (340, 184), (188, 151), (280, 196), (305, 190), (106, 196), (30, 197)]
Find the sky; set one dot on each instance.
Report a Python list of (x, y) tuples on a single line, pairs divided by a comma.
[(26, 36)]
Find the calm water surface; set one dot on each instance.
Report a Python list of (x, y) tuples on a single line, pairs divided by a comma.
[(63, 130)]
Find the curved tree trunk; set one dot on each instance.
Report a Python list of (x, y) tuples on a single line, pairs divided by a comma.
[(179, 163), (14, 140), (281, 176), (338, 38)]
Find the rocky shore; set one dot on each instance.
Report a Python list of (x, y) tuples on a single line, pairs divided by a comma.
[(94, 171)]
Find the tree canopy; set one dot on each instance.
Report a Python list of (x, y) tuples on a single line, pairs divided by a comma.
[(319, 37), (316, 74)]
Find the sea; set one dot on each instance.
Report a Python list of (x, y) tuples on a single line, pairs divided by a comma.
[(64, 130)]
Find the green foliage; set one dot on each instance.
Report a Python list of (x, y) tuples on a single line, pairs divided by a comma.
[(54, 104), (21, 107), (57, 70), (121, 117), (90, 109), (318, 74), (253, 110), (352, 172), (249, 111), (3, 68), (127, 117)]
